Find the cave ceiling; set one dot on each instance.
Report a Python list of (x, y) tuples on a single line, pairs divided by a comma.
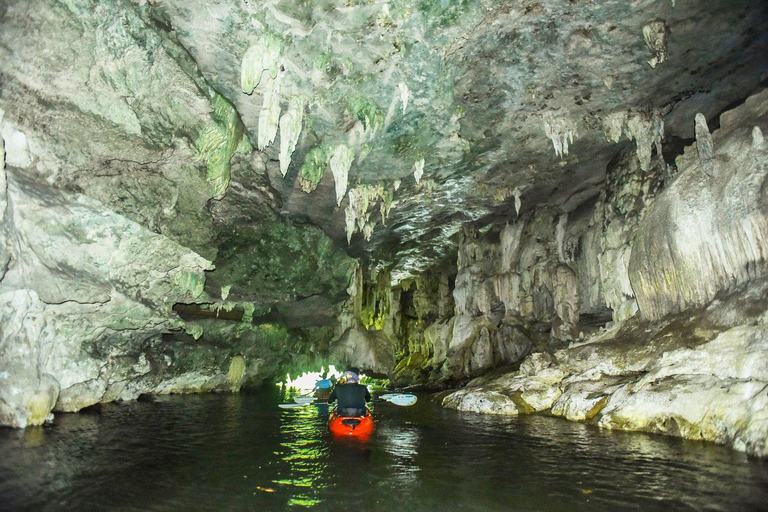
[(451, 112)]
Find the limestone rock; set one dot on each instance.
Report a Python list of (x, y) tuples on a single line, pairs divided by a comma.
[(717, 227), (84, 291), (367, 350), (486, 402), (684, 376), (704, 145)]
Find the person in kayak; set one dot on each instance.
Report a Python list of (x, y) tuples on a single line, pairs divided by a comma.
[(322, 389), (351, 396)]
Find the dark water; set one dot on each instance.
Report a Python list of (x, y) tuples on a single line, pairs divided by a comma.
[(241, 452)]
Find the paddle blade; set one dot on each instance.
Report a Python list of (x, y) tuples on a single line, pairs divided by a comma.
[(404, 400)]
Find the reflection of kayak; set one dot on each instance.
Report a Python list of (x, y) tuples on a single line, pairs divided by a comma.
[(358, 426)]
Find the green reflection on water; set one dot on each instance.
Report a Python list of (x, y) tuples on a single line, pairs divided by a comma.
[(304, 448)]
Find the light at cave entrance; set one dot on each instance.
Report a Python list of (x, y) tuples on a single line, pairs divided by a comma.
[(306, 381)]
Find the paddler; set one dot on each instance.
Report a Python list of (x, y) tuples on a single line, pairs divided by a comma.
[(322, 388), (351, 395)]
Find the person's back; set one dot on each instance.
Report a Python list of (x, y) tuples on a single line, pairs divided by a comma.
[(351, 396), (322, 389)]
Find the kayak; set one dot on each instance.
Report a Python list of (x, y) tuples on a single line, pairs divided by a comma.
[(323, 395), (358, 426)]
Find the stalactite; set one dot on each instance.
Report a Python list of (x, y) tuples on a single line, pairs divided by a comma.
[(218, 141), (290, 130), (518, 203), (404, 94), (646, 129), (340, 163), (357, 214), (560, 131), (758, 141), (269, 117), (418, 169), (655, 36), (264, 55)]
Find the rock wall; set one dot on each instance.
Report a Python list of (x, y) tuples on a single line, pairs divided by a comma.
[(693, 375), (709, 230), (131, 174), (84, 302), (539, 282), (682, 269), (536, 283)]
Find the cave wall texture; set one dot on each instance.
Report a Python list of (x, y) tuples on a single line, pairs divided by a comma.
[(529, 206)]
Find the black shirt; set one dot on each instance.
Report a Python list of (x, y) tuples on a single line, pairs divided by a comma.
[(350, 395)]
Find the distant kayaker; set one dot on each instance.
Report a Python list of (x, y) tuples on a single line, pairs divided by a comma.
[(351, 395), (323, 388)]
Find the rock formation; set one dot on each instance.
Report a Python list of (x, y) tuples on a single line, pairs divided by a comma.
[(529, 206)]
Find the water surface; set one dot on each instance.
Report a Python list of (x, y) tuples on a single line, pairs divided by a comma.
[(242, 452)]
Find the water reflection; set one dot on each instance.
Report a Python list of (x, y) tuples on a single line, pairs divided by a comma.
[(230, 452), (303, 447), (402, 443)]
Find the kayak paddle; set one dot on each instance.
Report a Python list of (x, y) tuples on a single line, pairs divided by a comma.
[(399, 399)]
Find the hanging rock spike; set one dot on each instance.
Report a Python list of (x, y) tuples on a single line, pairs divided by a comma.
[(290, 130), (264, 55), (655, 35), (418, 169), (560, 131), (269, 117), (340, 163)]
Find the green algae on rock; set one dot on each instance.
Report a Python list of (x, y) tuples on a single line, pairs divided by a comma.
[(218, 141)]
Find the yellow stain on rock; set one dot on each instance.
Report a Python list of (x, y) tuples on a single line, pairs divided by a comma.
[(236, 373)]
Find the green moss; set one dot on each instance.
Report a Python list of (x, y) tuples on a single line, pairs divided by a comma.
[(314, 167), (248, 309), (218, 141), (366, 111), (322, 60), (441, 14), (376, 301), (282, 261), (194, 330), (190, 283)]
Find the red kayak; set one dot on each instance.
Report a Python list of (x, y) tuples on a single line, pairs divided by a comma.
[(358, 426)]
